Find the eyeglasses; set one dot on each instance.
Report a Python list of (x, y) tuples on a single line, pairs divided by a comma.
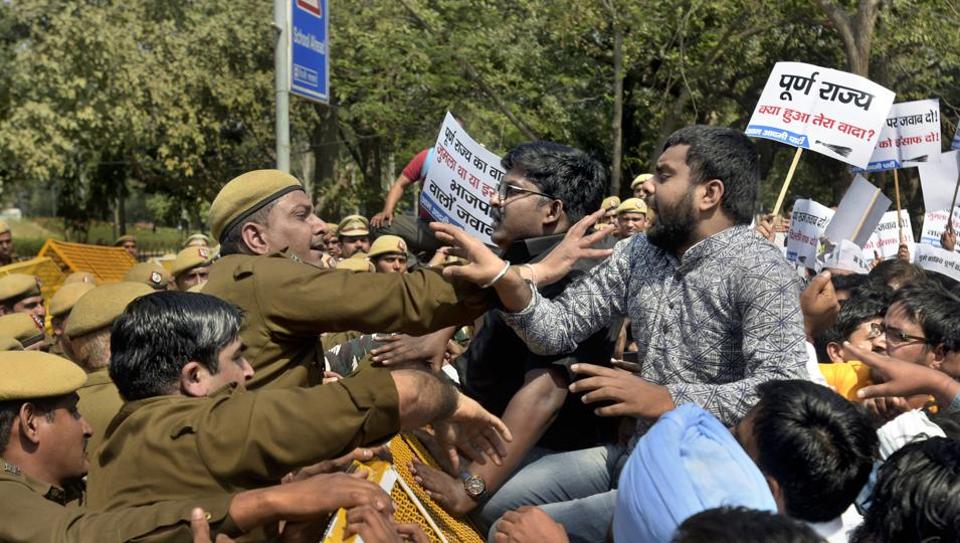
[(505, 191), (897, 336)]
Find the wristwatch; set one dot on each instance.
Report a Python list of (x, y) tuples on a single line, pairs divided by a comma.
[(473, 485)]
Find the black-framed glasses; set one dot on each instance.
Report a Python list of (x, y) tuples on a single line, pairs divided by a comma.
[(505, 190), (897, 336)]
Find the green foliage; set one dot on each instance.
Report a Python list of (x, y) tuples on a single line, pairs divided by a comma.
[(104, 98)]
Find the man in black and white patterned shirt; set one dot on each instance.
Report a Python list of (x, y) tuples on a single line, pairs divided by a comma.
[(715, 311)]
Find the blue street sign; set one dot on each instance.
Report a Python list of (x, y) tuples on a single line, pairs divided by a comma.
[(309, 60)]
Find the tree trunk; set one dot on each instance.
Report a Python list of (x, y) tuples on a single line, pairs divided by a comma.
[(616, 126), (855, 30)]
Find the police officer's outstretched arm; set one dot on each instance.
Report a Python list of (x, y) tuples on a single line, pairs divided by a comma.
[(425, 398)]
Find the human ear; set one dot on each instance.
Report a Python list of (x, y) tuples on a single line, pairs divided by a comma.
[(193, 380), (254, 237)]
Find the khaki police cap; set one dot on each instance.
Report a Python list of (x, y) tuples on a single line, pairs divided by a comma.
[(354, 225), (610, 202), (35, 374), (640, 179), (67, 297), (22, 327), (355, 264), (4, 227), (123, 239), (101, 306), (246, 194), (81, 277), (190, 258), (332, 229), (388, 245), (197, 240), (9, 343), (149, 273), (18, 285), (632, 205)]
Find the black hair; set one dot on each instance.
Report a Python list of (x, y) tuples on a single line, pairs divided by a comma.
[(743, 525), (917, 495), (818, 446), (896, 270), (232, 243), (717, 152), (847, 281), (158, 334), (935, 309), (569, 175), (866, 303), (10, 410)]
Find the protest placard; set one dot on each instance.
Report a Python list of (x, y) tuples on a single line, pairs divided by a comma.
[(846, 256), (858, 214), (885, 240), (910, 135), (461, 181), (938, 260), (807, 223), (938, 179), (934, 223), (834, 113)]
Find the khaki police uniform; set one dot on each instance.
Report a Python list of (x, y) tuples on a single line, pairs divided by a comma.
[(287, 304), (96, 310), (173, 447), (36, 512), (151, 274)]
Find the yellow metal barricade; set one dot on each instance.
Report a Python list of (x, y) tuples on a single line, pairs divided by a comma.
[(108, 264), (410, 501)]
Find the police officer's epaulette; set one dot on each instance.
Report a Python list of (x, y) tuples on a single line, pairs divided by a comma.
[(9, 468)]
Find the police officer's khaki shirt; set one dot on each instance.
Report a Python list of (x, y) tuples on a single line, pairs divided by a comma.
[(288, 304), (99, 402)]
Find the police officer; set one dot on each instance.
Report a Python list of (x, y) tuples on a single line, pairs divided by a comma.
[(191, 267), (43, 458), (631, 217), (128, 243), (268, 233), (20, 293), (26, 329), (60, 307), (637, 185), (389, 254), (6, 244), (151, 274), (354, 235), (89, 331)]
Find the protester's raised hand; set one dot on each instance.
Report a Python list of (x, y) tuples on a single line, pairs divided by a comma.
[(529, 525), (412, 532), (382, 219), (903, 252), (819, 305), (577, 244), (439, 257), (948, 240), (474, 431), (904, 378), (628, 395), (766, 228), (483, 265)]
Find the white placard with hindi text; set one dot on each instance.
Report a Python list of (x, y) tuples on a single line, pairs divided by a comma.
[(910, 135), (461, 181), (938, 179), (934, 223), (834, 113), (938, 260), (885, 240), (858, 214), (807, 223)]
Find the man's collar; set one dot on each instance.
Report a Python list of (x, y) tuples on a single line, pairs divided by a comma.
[(48, 491), (531, 249)]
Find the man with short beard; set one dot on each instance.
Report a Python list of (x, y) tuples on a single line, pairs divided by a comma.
[(715, 311)]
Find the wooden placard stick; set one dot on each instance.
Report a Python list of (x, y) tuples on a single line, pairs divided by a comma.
[(896, 188), (786, 182)]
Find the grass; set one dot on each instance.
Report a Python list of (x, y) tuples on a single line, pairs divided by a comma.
[(29, 235)]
